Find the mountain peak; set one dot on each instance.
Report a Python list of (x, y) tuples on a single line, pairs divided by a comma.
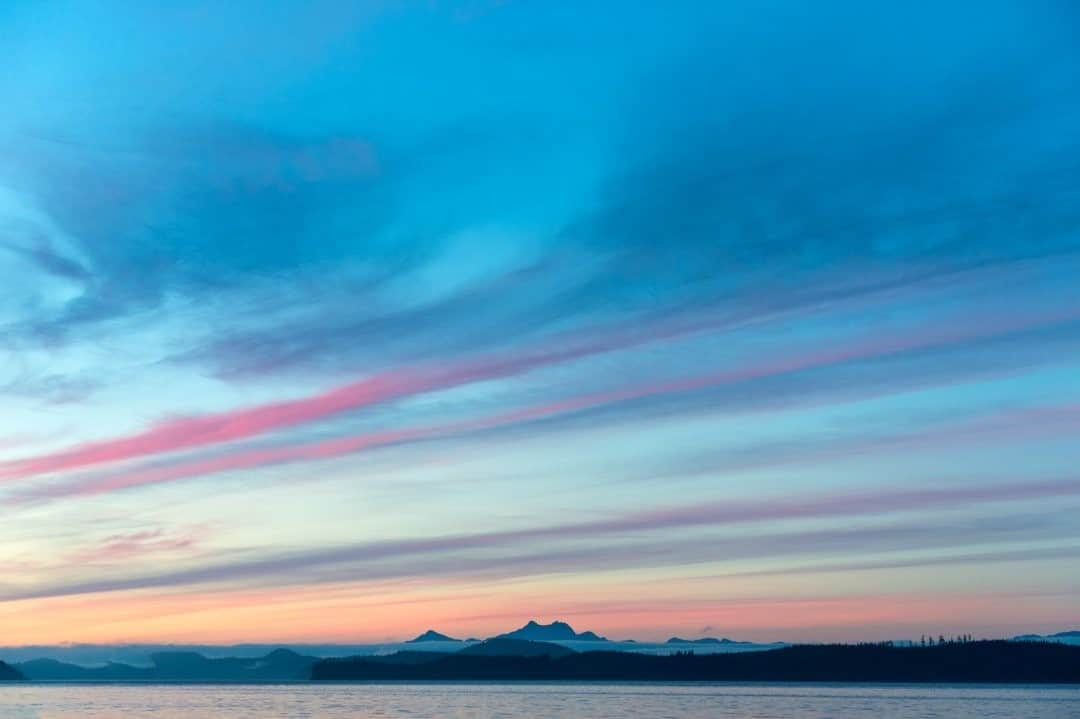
[(556, 631), (431, 636)]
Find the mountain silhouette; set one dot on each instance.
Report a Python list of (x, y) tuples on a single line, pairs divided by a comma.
[(554, 632), (9, 673), (278, 665), (1071, 637), (53, 670), (431, 636), (191, 666), (703, 640)]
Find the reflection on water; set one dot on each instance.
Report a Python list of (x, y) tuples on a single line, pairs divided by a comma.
[(457, 701)]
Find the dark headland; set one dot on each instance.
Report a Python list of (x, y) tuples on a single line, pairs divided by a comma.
[(977, 661)]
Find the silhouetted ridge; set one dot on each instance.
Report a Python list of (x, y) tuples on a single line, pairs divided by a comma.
[(9, 673), (53, 670), (278, 665), (990, 661), (703, 640), (431, 636), (282, 655), (554, 632), (1070, 637)]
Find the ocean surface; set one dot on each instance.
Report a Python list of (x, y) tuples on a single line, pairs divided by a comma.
[(509, 701)]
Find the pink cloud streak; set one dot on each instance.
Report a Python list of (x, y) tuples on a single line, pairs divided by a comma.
[(210, 429), (207, 430), (1062, 416)]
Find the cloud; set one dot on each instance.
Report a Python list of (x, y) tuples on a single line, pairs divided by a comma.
[(1034, 422), (992, 557), (436, 554), (213, 429), (133, 545)]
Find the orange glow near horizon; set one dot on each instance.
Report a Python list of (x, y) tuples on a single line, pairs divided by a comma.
[(388, 613)]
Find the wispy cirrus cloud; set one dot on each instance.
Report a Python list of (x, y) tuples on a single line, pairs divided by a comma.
[(229, 426), (198, 432), (1003, 556), (132, 545), (1052, 421), (434, 551)]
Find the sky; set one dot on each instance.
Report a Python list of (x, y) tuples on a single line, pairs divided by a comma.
[(328, 321)]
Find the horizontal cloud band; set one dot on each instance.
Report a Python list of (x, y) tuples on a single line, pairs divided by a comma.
[(247, 459), (867, 503)]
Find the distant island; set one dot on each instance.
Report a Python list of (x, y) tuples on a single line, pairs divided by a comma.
[(9, 673), (977, 661)]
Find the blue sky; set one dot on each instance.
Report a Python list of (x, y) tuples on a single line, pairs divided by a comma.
[(761, 317)]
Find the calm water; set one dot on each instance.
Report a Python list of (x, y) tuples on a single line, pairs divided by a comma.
[(457, 701)]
